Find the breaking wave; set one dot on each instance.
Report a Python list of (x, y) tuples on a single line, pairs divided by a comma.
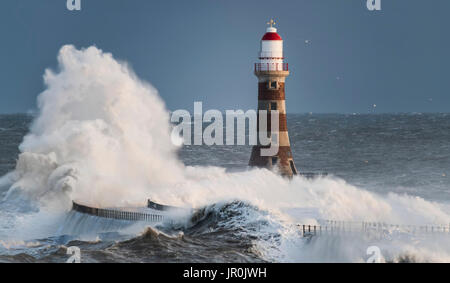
[(102, 137)]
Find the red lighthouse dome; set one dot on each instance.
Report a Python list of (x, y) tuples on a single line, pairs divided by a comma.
[(271, 36), (271, 32)]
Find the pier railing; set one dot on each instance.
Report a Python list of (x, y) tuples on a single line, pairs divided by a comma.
[(117, 214), (313, 175), (324, 227), (347, 227)]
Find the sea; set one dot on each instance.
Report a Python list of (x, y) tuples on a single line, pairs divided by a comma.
[(390, 168)]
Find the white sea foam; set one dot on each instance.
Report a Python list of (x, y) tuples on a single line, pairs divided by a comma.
[(102, 137)]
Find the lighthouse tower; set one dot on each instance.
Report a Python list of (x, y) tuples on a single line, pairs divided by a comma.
[(272, 72)]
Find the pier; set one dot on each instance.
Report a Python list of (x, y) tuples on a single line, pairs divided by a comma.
[(332, 227), (117, 213)]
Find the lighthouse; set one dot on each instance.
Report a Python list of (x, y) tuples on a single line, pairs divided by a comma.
[(271, 71)]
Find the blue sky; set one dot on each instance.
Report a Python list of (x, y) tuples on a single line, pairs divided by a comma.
[(204, 50)]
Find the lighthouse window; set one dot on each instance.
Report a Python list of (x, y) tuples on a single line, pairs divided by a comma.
[(273, 85), (274, 160), (273, 106)]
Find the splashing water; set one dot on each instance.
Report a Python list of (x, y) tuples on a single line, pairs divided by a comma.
[(102, 136)]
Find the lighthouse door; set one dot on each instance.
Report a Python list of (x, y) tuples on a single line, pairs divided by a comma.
[(294, 171)]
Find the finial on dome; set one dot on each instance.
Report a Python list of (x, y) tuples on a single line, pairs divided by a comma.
[(271, 27)]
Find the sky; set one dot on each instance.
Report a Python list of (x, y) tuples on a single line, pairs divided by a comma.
[(343, 58)]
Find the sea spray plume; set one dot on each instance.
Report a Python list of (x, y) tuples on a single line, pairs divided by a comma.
[(101, 135)]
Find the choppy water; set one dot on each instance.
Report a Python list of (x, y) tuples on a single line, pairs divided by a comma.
[(402, 153), (389, 153)]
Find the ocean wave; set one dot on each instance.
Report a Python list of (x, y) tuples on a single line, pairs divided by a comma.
[(85, 144)]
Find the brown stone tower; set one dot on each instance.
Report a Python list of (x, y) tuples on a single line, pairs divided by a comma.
[(272, 72)]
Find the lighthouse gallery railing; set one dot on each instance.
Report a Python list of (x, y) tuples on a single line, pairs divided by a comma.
[(261, 67)]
